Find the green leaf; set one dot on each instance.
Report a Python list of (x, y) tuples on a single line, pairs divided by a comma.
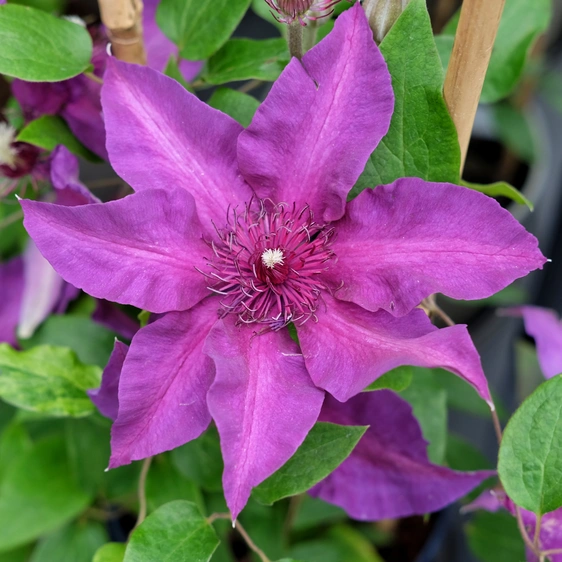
[(422, 139), (164, 484), (38, 494), (176, 531), (77, 542), (500, 189), (91, 342), (110, 552), (527, 369), (14, 442), (462, 455), (51, 6), (326, 446), (39, 47), (521, 23), (495, 536), (260, 8), (14, 237), (245, 59), (238, 105), (20, 554), (48, 131), (173, 71), (199, 28), (429, 403), (200, 460), (314, 512), (531, 451), (47, 379), (514, 130), (398, 379)]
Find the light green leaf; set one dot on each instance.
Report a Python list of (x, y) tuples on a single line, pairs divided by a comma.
[(48, 131), (500, 189), (38, 494), (530, 456), (47, 379), (39, 47), (245, 59), (398, 379), (56, 6), (495, 536), (326, 446), (176, 531), (77, 542), (110, 552), (238, 105), (521, 23), (200, 460), (199, 28), (429, 403), (422, 139)]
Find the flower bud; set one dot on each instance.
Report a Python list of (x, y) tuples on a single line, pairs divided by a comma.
[(302, 11), (382, 14)]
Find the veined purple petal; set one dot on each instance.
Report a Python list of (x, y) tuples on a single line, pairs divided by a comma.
[(159, 48), (163, 386), (151, 120), (262, 401), (40, 98), (42, 291), (109, 315), (543, 325), (400, 243), (388, 474), (140, 250), (106, 397), (350, 347), (11, 283), (310, 139)]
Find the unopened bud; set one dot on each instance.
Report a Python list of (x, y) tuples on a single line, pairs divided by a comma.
[(382, 15), (303, 11)]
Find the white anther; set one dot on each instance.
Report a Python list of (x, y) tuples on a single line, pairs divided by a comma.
[(270, 258)]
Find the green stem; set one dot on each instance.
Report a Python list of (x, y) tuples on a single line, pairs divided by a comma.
[(294, 38)]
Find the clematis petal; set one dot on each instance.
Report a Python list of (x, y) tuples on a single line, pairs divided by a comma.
[(543, 325), (163, 385), (109, 315), (388, 474), (106, 397), (402, 242), (140, 250), (11, 283), (349, 347), (150, 118), (262, 401), (310, 139)]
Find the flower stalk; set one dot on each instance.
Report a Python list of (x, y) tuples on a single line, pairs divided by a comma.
[(123, 21), (294, 39), (476, 34)]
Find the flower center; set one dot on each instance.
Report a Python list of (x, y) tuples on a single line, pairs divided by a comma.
[(267, 264)]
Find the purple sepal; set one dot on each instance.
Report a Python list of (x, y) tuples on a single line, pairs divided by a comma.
[(109, 315), (11, 282)]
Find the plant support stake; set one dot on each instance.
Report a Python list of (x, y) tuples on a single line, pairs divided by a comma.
[(476, 33), (123, 21)]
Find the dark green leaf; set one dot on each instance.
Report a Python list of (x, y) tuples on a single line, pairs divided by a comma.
[(20, 554), (49, 131), (176, 531), (462, 455), (51, 6), (199, 28), (531, 450), (429, 403), (314, 512), (398, 379), (494, 537), (245, 59), (200, 460), (38, 495), (47, 379), (14, 442), (91, 342), (266, 524), (514, 131), (39, 47), (238, 105), (422, 139), (500, 189), (326, 446), (528, 372), (110, 552), (77, 543)]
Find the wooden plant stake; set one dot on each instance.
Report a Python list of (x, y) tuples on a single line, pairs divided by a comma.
[(123, 20), (476, 33)]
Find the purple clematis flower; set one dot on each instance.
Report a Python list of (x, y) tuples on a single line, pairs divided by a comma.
[(546, 328), (388, 474), (78, 100), (233, 234)]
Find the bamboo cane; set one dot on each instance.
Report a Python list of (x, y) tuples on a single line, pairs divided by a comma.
[(123, 21), (476, 33)]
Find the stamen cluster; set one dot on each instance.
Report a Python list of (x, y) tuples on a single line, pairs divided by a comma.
[(267, 264), (302, 10)]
